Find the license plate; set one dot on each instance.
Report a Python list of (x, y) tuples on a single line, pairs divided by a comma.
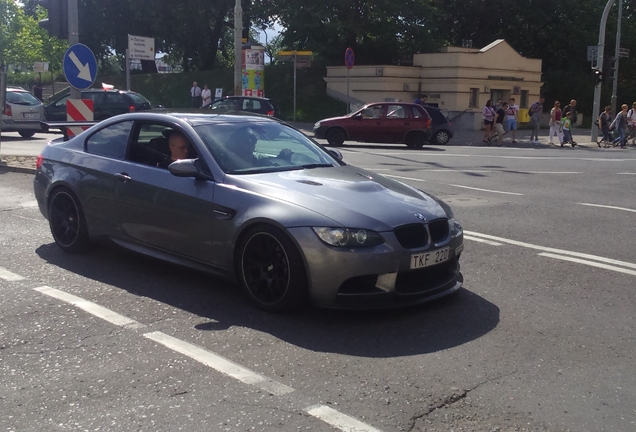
[(427, 259), (31, 115)]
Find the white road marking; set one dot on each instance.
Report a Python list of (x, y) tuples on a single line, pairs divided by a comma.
[(208, 358), (609, 207), (483, 190), (550, 172), (589, 263), (627, 173), (491, 156), (492, 243), (9, 276), (220, 364), (339, 420), (90, 307), (553, 250), (404, 178)]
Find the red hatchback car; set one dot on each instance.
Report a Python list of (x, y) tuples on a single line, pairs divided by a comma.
[(385, 122)]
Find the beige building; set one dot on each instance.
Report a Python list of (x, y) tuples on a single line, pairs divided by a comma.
[(457, 80)]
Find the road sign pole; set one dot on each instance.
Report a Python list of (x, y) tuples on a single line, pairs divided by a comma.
[(348, 97), (73, 37), (599, 61), (294, 85), (617, 56), (127, 69)]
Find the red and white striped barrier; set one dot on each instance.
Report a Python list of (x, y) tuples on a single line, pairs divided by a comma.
[(78, 110)]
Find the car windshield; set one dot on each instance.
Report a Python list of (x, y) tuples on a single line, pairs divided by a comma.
[(249, 147), (226, 105), (22, 98)]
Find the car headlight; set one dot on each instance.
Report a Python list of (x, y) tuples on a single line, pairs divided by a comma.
[(348, 237), (317, 125), (455, 228)]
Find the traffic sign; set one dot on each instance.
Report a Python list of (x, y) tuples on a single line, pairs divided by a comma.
[(349, 58), (80, 66)]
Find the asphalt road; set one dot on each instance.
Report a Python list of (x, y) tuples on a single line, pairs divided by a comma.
[(541, 337)]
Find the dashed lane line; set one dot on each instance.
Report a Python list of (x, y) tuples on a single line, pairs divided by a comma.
[(478, 240), (212, 360), (585, 258), (9, 276), (589, 263), (220, 364), (608, 207)]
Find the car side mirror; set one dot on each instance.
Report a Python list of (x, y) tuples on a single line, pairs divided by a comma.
[(335, 153), (188, 168)]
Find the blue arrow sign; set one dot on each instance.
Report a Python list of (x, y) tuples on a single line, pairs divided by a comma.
[(80, 66)]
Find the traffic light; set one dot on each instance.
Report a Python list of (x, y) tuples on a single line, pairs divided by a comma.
[(57, 22), (598, 75)]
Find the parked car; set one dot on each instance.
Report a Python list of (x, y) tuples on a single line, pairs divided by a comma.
[(381, 122), (106, 103), (254, 105), (441, 127), (22, 112), (255, 201)]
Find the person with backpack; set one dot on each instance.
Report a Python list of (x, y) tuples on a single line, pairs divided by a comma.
[(555, 123), (604, 122), (535, 112), (620, 124), (631, 124), (511, 118)]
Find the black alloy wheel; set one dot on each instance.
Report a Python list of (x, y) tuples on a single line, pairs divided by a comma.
[(67, 222), (336, 136), (271, 270)]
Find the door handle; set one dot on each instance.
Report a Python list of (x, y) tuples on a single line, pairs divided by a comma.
[(123, 177)]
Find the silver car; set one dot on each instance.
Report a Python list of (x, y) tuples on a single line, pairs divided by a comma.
[(22, 112), (255, 201)]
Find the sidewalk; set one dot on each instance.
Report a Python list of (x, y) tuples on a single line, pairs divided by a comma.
[(26, 164)]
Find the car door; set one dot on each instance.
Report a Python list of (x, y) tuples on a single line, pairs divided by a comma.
[(397, 122), (367, 126), (56, 111), (160, 209)]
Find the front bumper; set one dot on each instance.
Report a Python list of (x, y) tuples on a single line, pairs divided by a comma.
[(376, 277)]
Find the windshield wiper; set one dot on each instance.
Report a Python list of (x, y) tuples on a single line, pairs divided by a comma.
[(317, 165)]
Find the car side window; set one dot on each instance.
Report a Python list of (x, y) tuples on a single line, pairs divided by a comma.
[(374, 112), (396, 112), (417, 113), (110, 141), (61, 102), (151, 146)]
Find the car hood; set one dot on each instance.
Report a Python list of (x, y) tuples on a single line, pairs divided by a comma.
[(345, 117), (350, 196)]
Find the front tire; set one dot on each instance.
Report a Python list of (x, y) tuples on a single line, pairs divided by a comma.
[(271, 270), (336, 137), (67, 222)]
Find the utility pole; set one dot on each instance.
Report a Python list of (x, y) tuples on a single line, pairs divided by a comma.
[(238, 46), (599, 62), (73, 37), (616, 57)]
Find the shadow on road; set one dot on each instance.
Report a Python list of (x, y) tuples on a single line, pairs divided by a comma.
[(435, 326)]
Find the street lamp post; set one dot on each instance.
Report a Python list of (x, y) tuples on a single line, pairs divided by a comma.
[(599, 62), (238, 46)]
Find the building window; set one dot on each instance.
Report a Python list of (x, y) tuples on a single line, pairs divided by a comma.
[(525, 103), (474, 98)]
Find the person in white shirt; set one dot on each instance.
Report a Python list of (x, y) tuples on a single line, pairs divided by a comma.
[(206, 95), (511, 118)]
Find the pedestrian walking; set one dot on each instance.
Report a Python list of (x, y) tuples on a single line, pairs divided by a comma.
[(604, 121), (511, 118), (499, 121), (556, 129), (571, 108), (620, 124), (535, 112), (567, 131), (195, 94), (488, 113)]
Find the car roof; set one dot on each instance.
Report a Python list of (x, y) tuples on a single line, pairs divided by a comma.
[(246, 97), (194, 118)]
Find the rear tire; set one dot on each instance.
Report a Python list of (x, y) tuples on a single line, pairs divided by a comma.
[(336, 137), (67, 221), (415, 139), (271, 270), (26, 134), (441, 137)]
